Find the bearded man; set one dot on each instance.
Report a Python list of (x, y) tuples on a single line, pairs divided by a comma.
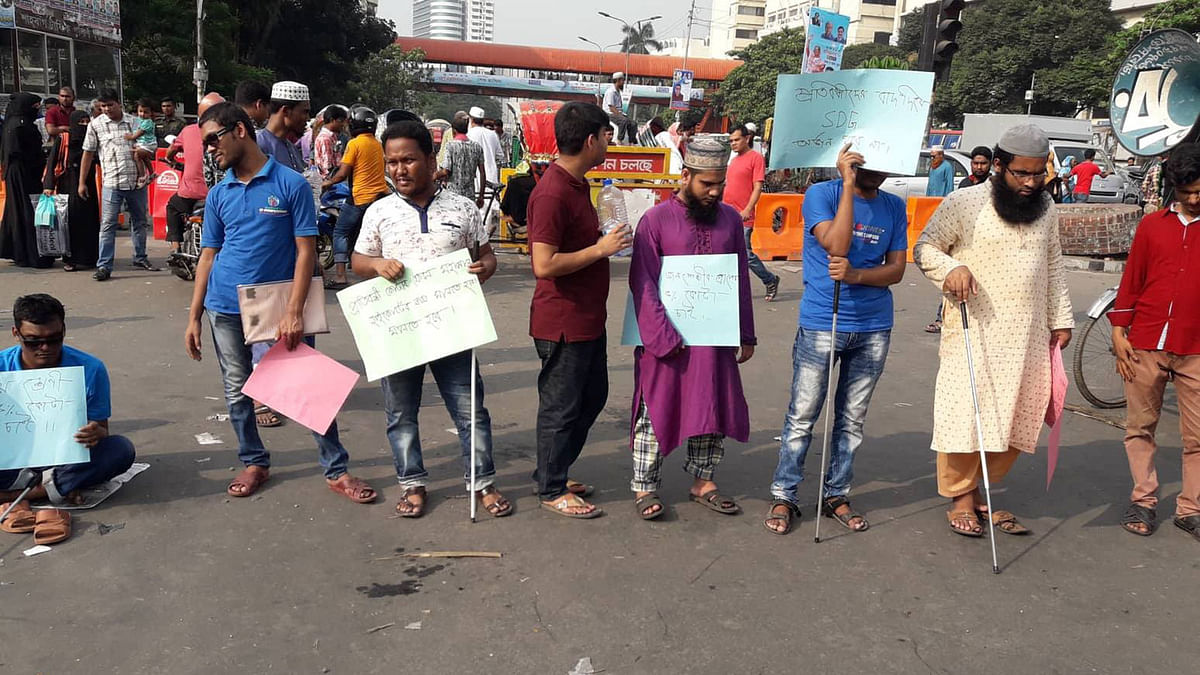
[(995, 247), (683, 392)]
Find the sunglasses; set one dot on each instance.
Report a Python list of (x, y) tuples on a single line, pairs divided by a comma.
[(213, 139), (35, 343)]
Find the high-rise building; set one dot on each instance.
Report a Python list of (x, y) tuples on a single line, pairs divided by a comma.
[(454, 19)]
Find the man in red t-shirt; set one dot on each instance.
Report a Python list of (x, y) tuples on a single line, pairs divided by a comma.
[(743, 187), (1084, 173), (58, 117), (1156, 338), (566, 318)]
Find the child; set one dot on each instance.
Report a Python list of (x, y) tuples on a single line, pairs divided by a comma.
[(145, 143)]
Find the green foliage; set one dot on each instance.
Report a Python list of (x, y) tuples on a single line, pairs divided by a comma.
[(1005, 42), (857, 56), (748, 93), (911, 27), (388, 79), (639, 39), (1182, 14), (885, 63), (438, 105)]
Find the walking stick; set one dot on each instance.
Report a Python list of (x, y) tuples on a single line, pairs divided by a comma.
[(27, 479), (471, 487), (829, 398), (987, 485)]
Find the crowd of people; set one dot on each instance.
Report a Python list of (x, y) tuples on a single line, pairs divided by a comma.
[(992, 249)]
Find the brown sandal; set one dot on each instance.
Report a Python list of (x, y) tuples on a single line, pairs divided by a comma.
[(792, 513), (20, 520), (569, 500), (249, 480), (964, 515), (1005, 521), (355, 489), (499, 508), (52, 526), (407, 509)]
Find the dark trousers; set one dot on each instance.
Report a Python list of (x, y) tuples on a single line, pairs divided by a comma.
[(179, 209), (572, 390)]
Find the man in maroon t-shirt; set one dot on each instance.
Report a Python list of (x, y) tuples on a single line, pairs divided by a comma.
[(743, 187), (1156, 339), (58, 118), (566, 318)]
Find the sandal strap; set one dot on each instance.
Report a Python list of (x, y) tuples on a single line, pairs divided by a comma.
[(793, 510), (1136, 513), (836, 502)]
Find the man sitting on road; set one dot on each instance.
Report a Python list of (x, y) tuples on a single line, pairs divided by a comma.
[(39, 324)]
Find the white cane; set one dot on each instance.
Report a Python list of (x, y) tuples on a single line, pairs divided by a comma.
[(471, 487), (987, 485), (26, 481), (829, 398)]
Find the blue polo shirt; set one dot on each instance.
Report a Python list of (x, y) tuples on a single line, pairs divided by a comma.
[(880, 226), (99, 401), (254, 225)]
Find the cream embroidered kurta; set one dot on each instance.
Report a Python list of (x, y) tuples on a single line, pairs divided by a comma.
[(1022, 297)]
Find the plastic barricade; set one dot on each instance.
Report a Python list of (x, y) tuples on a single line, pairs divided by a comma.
[(788, 242), (920, 210)]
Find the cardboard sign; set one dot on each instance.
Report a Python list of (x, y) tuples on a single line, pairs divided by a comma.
[(40, 411), (700, 294)]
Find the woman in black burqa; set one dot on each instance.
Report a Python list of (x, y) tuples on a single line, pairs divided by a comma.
[(62, 176), (22, 162)]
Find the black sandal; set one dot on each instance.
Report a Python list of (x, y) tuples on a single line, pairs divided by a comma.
[(648, 501), (1189, 524), (1137, 514), (793, 512), (829, 510)]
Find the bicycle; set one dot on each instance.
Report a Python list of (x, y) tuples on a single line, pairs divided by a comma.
[(1094, 364)]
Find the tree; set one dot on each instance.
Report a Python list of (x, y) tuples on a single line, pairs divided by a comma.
[(748, 93), (639, 39), (388, 79), (855, 56), (1182, 14), (1005, 42), (912, 31)]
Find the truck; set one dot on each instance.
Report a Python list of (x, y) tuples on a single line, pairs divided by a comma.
[(1069, 137)]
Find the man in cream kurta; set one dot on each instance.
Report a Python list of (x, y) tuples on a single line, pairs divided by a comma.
[(996, 247)]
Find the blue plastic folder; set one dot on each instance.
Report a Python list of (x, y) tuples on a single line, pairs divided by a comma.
[(40, 411)]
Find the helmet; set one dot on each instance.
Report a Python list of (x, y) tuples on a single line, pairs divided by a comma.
[(362, 120)]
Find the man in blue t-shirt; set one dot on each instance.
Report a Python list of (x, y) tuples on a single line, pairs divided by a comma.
[(857, 235), (259, 226), (39, 324)]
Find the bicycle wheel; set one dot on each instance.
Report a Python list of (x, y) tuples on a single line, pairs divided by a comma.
[(1095, 366)]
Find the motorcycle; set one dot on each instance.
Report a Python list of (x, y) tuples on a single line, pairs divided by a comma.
[(183, 262), (332, 201)]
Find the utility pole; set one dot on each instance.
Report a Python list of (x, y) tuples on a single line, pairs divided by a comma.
[(687, 43), (200, 73)]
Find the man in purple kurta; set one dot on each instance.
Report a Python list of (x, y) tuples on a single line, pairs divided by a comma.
[(684, 392)]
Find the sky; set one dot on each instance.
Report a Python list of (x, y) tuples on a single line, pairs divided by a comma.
[(530, 22)]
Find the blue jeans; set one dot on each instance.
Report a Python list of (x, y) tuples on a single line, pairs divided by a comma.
[(862, 356), (344, 229), (109, 458), (402, 402), (233, 355), (760, 270), (110, 206)]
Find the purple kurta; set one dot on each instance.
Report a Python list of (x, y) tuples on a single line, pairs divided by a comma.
[(700, 390)]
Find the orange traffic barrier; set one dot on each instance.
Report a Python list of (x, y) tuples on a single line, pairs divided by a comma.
[(920, 210), (788, 242)]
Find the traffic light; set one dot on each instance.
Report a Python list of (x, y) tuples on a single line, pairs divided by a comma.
[(939, 36)]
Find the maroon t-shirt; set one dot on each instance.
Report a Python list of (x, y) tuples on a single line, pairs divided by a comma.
[(59, 116), (570, 307)]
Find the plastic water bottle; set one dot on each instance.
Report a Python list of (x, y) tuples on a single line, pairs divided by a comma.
[(610, 208)]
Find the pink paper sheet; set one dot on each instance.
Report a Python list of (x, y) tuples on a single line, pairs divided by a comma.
[(1058, 398), (304, 384)]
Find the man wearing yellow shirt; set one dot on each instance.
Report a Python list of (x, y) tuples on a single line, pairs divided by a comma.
[(362, 165)]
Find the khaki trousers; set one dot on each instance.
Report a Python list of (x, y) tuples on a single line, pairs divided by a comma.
[(960, 472), (1144, 399)]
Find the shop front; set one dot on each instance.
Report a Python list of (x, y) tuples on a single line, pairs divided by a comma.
[(48, 44)]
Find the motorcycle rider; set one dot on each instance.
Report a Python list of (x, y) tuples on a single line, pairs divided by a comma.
[(192, 187), (362, 165)]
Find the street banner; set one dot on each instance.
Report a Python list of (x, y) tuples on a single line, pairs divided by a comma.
[(40, 411), (882, 113), (303, 384), (700, 295), (824, 40), (1156, 94), (436, 309), (681, 89)]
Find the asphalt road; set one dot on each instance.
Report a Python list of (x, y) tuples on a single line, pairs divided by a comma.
[(292, 580)]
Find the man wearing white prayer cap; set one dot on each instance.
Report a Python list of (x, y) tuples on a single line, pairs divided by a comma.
[(287, 123), (614, 105), (941, 173), (490, 143)]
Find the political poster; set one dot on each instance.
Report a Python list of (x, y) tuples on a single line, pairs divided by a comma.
[(436, 309), (825, 38), (681, 89), (881, 112)]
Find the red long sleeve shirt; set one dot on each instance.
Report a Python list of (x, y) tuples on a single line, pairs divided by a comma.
[(1159, 297)]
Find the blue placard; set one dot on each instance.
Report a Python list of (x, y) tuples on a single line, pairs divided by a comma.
[(40, 411), (700, 294), (883, 113)]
